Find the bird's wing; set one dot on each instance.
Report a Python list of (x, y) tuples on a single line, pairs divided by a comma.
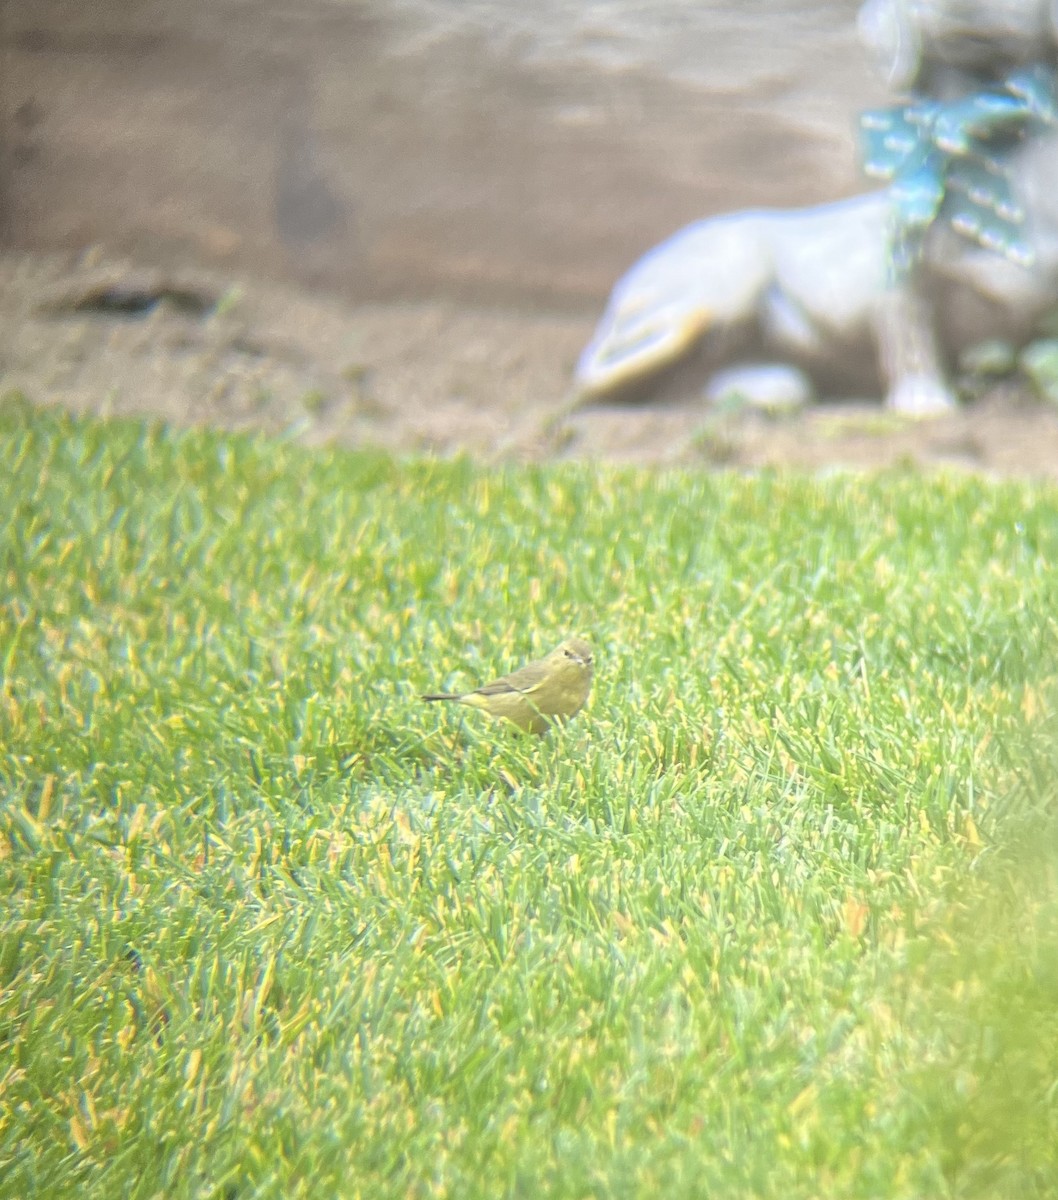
[(522, 680)]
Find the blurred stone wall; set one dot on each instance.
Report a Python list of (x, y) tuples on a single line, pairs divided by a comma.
[(489, 150)]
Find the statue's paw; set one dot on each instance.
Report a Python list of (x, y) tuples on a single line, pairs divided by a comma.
[(773, 388), (921, 396)]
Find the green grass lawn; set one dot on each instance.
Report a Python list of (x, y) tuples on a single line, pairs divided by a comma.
[(775, 916)]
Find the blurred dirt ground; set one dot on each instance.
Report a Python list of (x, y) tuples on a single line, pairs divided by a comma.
[(434, 378)]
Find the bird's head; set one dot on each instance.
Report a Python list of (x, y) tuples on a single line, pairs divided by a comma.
[(576, 652)]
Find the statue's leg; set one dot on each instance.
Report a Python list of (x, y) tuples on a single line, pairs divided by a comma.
[(909, 357)]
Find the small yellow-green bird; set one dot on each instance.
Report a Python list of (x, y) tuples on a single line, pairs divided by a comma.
[(554, 687)]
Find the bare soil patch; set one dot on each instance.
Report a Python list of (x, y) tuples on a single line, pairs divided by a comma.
[(437, 378)]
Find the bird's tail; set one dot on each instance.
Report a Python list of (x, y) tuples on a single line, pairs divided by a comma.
[(442, 696)]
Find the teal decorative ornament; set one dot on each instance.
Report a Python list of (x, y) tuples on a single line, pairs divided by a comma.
[(948, 161)]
